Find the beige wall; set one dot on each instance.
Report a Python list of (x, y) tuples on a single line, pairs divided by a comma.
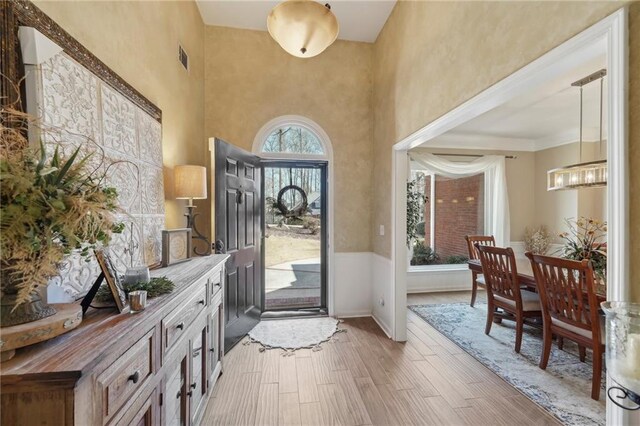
[(250, 80), (427, 61), (138, 40), (520, 180)]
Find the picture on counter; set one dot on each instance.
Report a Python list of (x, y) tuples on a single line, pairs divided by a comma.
[(176, 246), (113, 280)]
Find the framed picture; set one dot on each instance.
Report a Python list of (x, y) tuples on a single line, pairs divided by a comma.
[(176, 246), (113, 280)]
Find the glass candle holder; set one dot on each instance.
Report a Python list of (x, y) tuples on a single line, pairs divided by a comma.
[(623, 349), (137, 301)]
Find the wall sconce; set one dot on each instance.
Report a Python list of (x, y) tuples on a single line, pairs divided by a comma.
[(623, 352), (191, 184)]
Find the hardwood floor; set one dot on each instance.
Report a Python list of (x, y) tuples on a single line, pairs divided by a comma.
[(365, 378)]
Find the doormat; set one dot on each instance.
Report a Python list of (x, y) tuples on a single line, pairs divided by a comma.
[(293, 334), (563, 389)]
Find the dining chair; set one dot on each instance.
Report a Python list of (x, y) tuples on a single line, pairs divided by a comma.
[(477, 280), (503, 289), (570, 309)]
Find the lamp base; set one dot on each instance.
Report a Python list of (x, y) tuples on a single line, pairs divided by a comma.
[(624, 393), (195, 234)]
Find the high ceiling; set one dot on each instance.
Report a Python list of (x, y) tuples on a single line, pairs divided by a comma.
[(359, 20)]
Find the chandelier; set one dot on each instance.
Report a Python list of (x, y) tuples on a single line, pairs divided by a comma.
[(303, 28), (582, 175)]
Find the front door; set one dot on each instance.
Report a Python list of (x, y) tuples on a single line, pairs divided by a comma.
[(238, 233)]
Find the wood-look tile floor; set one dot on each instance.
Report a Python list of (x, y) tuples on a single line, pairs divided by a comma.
[(364, 378)]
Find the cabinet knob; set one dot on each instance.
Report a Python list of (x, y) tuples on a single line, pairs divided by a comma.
[(134, 377), (212, 349), (190, 394), (201, 302), (194, 385), (179, 394), (180, 326)]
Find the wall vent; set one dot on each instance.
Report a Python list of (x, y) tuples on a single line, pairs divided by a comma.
[(183, 57)]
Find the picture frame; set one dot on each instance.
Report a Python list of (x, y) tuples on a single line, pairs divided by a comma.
[(113, 280), (176, 246)]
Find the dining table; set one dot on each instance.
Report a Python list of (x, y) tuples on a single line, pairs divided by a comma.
[(525, 275)]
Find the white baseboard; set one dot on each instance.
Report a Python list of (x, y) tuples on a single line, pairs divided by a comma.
[(383, 326), (361, 314)]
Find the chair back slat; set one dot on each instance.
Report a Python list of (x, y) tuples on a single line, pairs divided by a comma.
[(485, 240), (499, 271), (567, 291)]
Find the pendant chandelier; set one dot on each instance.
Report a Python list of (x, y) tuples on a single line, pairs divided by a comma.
[(582, 175), (304, 28)]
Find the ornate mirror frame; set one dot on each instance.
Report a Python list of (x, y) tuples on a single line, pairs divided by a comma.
[(16, 13)]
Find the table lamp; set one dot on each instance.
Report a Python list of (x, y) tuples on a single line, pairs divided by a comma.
[(191, 184)]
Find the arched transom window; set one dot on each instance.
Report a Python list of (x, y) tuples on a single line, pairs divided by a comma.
[(293, 140)]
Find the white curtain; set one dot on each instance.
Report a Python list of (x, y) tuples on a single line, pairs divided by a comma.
[(496, 200)]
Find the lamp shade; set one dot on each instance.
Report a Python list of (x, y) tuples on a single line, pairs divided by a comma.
[(190, 182), (303, 28)]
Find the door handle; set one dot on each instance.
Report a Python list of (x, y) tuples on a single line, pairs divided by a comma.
[(219, 247), (239, 196)]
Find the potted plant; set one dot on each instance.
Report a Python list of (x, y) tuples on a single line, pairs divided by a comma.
[(51, 206), (586, 240)]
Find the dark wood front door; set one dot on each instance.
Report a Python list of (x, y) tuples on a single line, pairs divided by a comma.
[(238, 233)]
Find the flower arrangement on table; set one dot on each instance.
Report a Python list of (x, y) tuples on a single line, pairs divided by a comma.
[(586, 239), (537, 240)]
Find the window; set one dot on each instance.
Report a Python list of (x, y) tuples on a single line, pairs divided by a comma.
[(293, 140), (453, 208)]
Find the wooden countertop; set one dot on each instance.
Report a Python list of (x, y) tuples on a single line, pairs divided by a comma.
[(104, 333)]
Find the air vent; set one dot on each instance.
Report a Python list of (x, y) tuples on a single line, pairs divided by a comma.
[(183, 57)]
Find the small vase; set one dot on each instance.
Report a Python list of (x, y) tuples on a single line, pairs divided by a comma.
[(32, 310)]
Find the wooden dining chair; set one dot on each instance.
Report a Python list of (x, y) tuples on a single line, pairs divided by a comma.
[(570, 309), (503, 289), (477, 280)]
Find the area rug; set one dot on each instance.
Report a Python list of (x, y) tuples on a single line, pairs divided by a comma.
[(563, 389), (294, 334)]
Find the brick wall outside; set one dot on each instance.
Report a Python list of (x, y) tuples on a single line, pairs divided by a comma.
[(459, 211)]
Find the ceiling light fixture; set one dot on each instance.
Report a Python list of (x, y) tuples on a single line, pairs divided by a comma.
[(304, 28), (582, 175)]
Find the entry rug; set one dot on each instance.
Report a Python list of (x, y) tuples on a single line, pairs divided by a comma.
[(563, 389), (294, 334)]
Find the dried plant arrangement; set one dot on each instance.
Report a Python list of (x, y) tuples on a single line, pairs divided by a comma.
[(51, 205), (537, 240)]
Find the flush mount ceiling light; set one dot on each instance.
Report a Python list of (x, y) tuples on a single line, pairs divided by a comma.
[(303, 28), (582, 175)]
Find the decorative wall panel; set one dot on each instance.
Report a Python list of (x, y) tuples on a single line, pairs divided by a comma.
[(79, 109)]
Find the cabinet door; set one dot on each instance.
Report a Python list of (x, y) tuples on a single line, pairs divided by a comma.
[(215, 341), (175, 393), (198, 376)]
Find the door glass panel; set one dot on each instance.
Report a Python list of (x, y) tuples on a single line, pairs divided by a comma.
[(293, 237)]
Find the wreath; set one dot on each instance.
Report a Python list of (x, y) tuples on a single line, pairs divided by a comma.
[(299, 210)]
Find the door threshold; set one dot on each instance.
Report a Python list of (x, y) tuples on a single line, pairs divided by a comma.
[(299, 313)]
